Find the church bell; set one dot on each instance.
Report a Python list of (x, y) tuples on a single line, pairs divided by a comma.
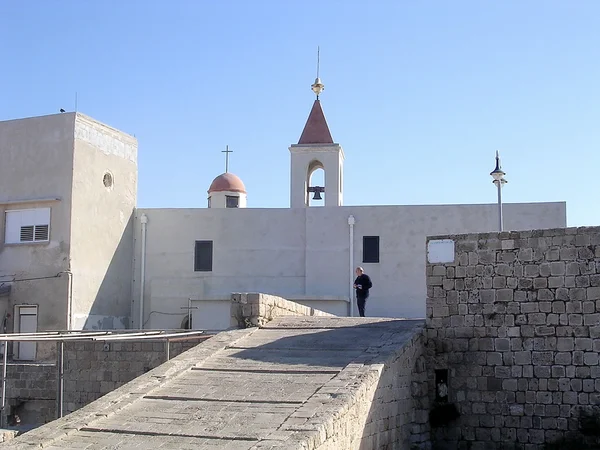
[(317, 195)]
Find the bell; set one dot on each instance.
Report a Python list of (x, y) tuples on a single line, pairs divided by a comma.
[(317, 195)]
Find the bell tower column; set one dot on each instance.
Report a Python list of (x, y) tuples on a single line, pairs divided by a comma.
[(305, 159), (316, 150)]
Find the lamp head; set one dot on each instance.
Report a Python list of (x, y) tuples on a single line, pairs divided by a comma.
[(497, 174)]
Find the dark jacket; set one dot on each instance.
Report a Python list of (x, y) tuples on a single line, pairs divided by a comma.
[(365, 282)]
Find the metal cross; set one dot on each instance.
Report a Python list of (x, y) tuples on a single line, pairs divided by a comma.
[(227, 152)]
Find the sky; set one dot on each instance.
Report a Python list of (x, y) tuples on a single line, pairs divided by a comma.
[(419, 94)]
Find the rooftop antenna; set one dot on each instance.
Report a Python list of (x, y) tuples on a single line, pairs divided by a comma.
[(75, 101), (227, 152), (318, 87)]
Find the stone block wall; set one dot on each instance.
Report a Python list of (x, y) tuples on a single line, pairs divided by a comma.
[(31, 392), (398, 412), (256, 309), (93, 370), (515, 320)]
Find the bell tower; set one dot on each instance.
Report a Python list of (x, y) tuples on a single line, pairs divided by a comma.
[(316, 150)]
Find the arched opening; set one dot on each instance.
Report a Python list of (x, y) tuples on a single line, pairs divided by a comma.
[(186, 323), (315, 184)]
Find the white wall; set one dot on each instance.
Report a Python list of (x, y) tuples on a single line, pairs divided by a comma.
[(102, 225), (305, 251), (331, 157), (58, 162), (36, 163), (219, 199)]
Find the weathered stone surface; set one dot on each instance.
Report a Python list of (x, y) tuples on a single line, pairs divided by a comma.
[(537, 351), (296, 383)]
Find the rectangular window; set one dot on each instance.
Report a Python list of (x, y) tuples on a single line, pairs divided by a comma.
[(27, 225), (370, 249), (203, 256), (232, 201)]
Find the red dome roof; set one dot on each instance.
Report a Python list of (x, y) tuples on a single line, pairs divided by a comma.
[(227, 182)]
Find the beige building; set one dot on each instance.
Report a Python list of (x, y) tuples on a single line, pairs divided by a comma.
[(77, 254), (68, 191)]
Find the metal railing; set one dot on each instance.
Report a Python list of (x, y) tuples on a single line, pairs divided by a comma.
[(60, 337)]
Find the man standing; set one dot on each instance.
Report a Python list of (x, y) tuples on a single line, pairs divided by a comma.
[(362, 284)]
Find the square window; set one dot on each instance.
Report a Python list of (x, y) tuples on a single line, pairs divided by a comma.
[(370, 249), (232, 201), (203, 256), (27, 225)]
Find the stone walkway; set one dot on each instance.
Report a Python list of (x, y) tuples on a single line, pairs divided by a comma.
[(245, 389)]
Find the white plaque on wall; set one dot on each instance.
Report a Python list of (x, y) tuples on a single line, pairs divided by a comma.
[(440, 251)]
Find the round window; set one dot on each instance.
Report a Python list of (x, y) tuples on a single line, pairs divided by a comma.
[(107, 180)]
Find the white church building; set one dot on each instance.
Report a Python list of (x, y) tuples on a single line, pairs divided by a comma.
[(198, 257), (77, 253)]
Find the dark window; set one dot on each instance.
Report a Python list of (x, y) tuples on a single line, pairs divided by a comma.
[(232, 202), (441, 385), (370, 249), (203, 256), (209, 202)]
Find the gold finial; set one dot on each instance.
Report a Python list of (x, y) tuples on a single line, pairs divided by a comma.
[(318, 87)]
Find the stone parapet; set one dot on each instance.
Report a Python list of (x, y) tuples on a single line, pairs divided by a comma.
[(256, 309)]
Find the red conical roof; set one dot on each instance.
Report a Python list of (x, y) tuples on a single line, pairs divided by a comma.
[(316, 130)]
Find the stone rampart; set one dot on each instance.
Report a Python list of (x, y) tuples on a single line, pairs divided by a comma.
[(296, 383), (385, 405), (256, 309), (513, 327)]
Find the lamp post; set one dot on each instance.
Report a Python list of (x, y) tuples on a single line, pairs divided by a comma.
[(498, 176)]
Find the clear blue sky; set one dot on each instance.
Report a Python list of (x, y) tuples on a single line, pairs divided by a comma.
[(419, 94)]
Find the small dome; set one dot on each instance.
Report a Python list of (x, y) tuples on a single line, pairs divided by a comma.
[(227, 182)]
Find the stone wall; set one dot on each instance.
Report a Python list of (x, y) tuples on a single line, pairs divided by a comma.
[(255, 309), (398, 412), (515, 320), (93, 370), (367, 390), (31, 392), (389, 409), (370, 405), (117, 400)]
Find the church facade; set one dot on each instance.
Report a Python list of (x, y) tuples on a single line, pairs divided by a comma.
[(189, 261), (76, 253)]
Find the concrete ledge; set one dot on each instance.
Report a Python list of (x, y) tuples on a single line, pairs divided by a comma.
[(124, 396)]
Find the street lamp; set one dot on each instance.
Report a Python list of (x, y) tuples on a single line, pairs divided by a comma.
[(498, 176)]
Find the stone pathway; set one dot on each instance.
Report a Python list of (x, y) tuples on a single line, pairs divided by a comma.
[(247, 391)]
